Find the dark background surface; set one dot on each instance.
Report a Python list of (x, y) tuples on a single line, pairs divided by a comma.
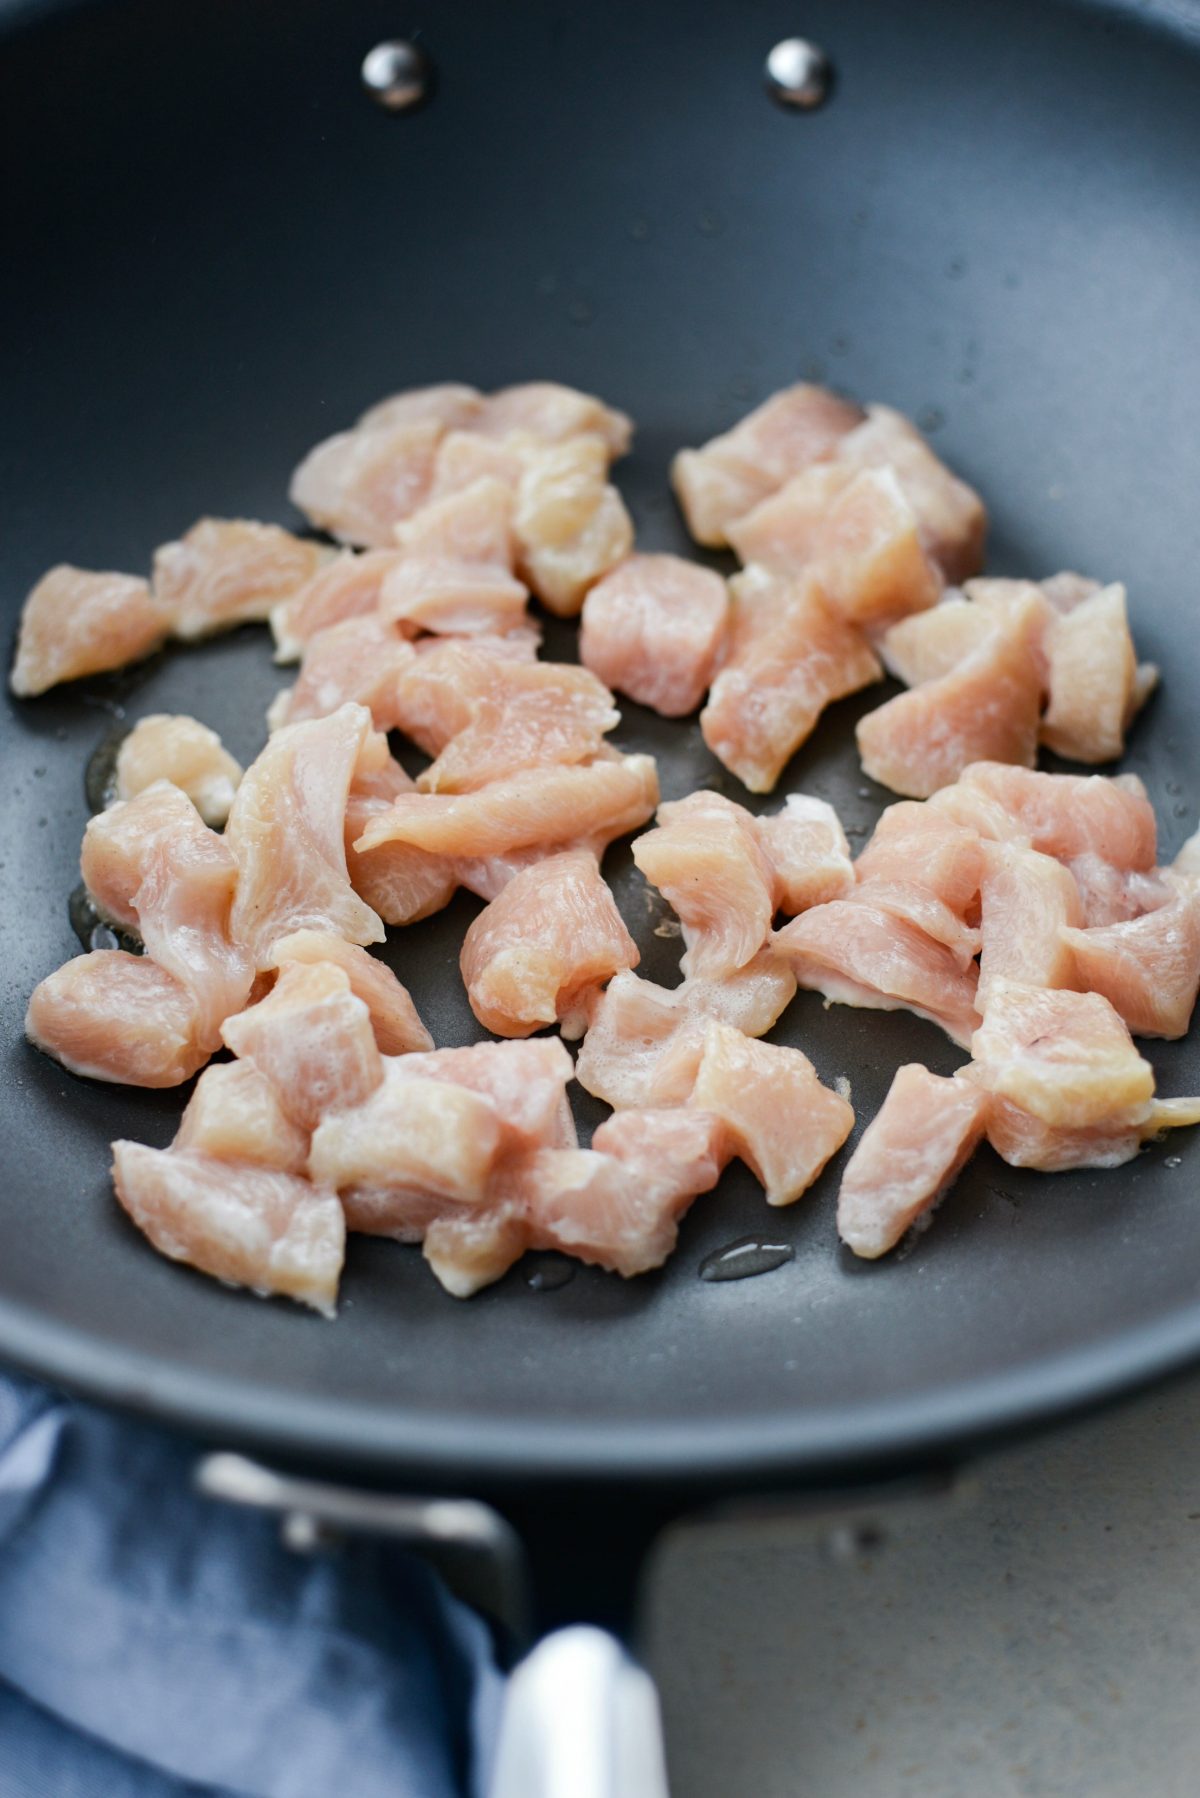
[(218, 249)]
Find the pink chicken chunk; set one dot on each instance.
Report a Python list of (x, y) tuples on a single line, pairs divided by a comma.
[(653, 629), (544, 946), (76, 623), (908, 1158)]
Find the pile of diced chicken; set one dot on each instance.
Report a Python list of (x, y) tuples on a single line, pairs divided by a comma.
[(1023, 913)]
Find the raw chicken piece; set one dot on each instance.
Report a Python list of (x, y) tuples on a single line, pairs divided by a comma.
[(951, 516), (1147, 967), (186, 753), (987, 708), (922, 846), (1068, 815), (544, 947), (152, 863), (523, 715), (789, 655), (932, 644), (235, 1115), (909, 1156), (75, 622), (637, 1027), (1066, 1058), (473, 524), (723, 480), (550, 413), (468, 1248), (402, 884), (525, 1081), (1028, 900), (1110, 895), (1026, 1141), (1093, 680), (453, 598), (455, 570), (358, 485), (226, 571), (441, 689), (311, 1037), (286, 830), (1187, 862), (249, 1226), (705, 859), (858, 533), (856, 953), (464, 457), (778, 1117), (394, 1018), (618, 1209), (119, 1017), (451, 404), (685, 1147), (653, 629), (909, 900), (807, 850), (571, 523), (349, 586), (1067, 589), (360, 661), (412, 1138), (544, 805)]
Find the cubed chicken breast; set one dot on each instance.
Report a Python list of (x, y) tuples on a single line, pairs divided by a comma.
[(286, 831), (551, 413), (76, 623), (1028, 902), (856, 953), (249, 1226), (722, 481), (358, 662), (228, 571), (706, 860), (908, 1158), (358, 485), (394, 1018), (348, 586), (807, 850), (653, 628), (1068, 815), (311, 1037), (789, 654), (571, 522), (1095, 683), (180, 749), (985, 709), (541, 950), (235, 1115), (542, 805), (113, 1016), (951, 516), (638, 1028), (1148, 968), (1064, 1057), (856, 531), (778, 1117)]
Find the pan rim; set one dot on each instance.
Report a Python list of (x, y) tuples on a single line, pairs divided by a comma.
[(804, 1448)]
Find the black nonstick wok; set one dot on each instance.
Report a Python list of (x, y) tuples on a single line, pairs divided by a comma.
[(219, 247)]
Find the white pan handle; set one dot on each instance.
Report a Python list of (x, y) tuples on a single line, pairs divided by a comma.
[(581, 1720)]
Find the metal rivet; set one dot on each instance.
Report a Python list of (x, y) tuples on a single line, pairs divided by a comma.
[(798, 74), (398, 75)]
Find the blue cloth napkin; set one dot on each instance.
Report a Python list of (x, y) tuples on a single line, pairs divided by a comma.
[(155, 1643)]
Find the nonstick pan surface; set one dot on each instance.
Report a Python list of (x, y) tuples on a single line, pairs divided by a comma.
[(219, 249)]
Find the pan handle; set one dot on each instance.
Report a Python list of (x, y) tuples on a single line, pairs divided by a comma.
[(581, 1720)]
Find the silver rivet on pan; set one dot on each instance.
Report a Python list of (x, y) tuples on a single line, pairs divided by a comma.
[(798, 74), (398, 75)]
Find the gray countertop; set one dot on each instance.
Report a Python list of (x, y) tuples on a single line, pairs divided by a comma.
[(1035, 1633)]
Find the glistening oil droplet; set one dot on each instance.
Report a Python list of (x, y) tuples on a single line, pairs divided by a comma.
[(548, 1273), (744, 1259), (93, 931)]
